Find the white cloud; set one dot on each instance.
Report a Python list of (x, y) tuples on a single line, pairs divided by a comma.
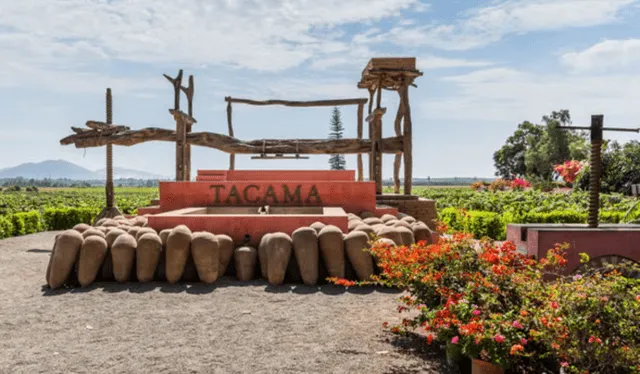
[(485, 25), (266, 35), (502, 94), (609, 54)]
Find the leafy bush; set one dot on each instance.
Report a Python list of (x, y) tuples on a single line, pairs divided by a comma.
[(480, 224), (66, 218), (6, 227), (26, 223)]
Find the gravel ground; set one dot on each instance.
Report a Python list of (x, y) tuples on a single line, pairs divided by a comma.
[(230, 327)]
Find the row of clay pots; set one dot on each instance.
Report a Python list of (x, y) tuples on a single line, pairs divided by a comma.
[(112, 252)]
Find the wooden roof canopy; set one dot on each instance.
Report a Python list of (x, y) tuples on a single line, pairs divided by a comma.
[(389, 72)]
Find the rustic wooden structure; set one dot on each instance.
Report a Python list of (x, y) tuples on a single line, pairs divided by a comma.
[(395, 74), (596, 129), (388, 73), (315, 103)]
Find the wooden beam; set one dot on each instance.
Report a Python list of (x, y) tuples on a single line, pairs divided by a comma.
[(315, 103), (181, 141), (189, 92), (360, 176), (377, 147), (232, 156), (233, 145), (105, 126), (371, 171)]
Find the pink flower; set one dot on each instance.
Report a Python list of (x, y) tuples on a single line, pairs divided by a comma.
[(593, 339), (454, 340), (498, 338), (516, 325), (564, 364), (477, 312), (523, 341)]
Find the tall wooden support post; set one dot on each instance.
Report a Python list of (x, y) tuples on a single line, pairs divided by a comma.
[(232, 156), (375, 126), (110, 210), (360, 128), (109, 177), (371, 162), (596, 169), (188, 91), (180, 130), (397, 162), (407, 140)]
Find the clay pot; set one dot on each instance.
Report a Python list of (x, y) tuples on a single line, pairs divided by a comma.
[(92, 253), (353, 224), (177, 252), (390, 233), (110, 223), (245, 263), (164, 235), (206, 256), (384, 241), (402, 224), (225, 247), (81, 227), (144, 230), (365, 215), (305, 247), (483, 367), (391, 222), (332, 250), (123, 255), (366, 229), (408, 219), (372, 221), (279, 246), (93, 231), (317, 226), (406, 235), (133, 231), (388, 217), (422, 232), (262, 255), (63, 257), (355, 244), (148, 253)]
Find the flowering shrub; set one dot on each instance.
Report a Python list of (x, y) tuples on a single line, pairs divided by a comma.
[(569, 170), (519, 184), (498, 185), (491, 301), (477, 186)]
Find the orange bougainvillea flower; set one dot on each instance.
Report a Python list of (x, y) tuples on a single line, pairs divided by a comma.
[(515, 349)]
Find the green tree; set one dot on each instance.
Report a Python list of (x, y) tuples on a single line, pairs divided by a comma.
[(337, 162), (534, 150), (620, 168), (510, 159)]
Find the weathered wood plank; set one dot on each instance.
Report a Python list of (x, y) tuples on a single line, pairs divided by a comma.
[(336, 102)]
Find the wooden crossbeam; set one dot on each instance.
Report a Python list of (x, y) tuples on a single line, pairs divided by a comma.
[(233, 145), (314, 103)]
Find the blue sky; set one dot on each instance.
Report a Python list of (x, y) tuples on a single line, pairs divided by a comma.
[(488, 65)]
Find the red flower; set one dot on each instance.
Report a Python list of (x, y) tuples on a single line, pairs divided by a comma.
[(554, 305), (593, 339), (429, 339), (498, 338)]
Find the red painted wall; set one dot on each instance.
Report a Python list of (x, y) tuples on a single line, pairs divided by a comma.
[(353, 197), (277, 175)]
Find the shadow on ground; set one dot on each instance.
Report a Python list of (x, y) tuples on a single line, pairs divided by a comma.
[(72, 286)]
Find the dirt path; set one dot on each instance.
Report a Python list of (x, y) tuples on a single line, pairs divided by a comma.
[(191, 328)]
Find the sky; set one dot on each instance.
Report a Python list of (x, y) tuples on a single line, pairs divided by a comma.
[(488, 66)]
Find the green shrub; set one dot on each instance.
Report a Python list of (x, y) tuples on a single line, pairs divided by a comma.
[(611, 217), (484, 224), (452, 217), (29, 223), (6, 227), (18, 224), (66, 218), (560, 216)]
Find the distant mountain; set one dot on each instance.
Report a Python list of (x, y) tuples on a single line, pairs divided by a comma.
[(57, 169)]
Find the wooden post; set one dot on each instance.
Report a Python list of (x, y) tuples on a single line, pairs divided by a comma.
[(371, 169), (232, 156), (189, 91), (360, 128), (181, 140), (398, 157), (109, 182), (375, 119), (408, 146)]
